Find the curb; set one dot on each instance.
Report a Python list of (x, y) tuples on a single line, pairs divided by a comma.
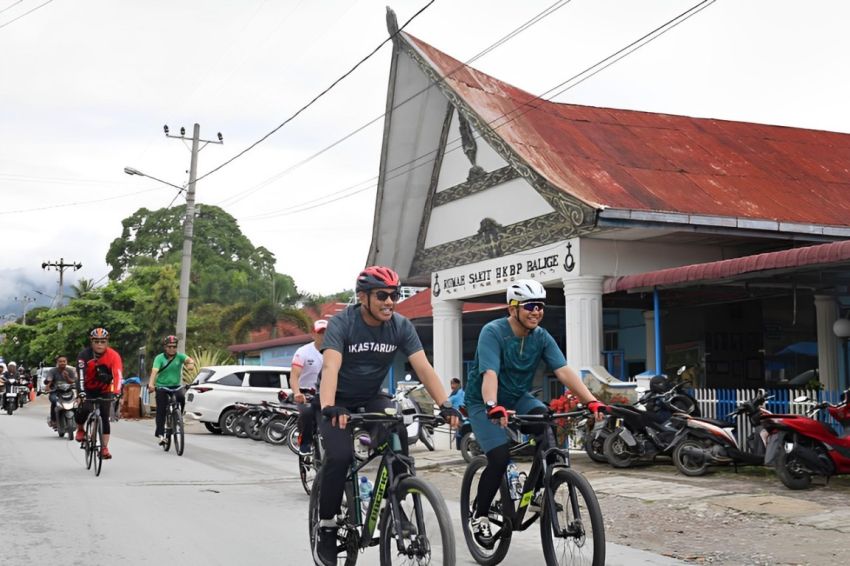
[(430, 464)]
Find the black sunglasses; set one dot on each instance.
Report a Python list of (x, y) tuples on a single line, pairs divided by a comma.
[(383, 295), (531, 307)]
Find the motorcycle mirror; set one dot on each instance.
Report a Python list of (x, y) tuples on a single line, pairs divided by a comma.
[(801, 399)]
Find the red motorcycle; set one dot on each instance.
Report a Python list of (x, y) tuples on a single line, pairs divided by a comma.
[(800, 447)]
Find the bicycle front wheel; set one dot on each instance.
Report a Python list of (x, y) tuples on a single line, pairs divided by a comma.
[(97, 442), (177, 431), (87, 444), (580, 538), (426, 535)]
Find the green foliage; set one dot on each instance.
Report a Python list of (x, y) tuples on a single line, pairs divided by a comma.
[(313, 300), (204, 358)]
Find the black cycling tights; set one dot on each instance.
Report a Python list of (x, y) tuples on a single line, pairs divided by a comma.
[(339, 453), (497, 465), (86, 408)]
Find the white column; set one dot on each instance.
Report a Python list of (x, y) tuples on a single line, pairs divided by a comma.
[(583, 315), (448, 339), (649, 320), (826, 310)]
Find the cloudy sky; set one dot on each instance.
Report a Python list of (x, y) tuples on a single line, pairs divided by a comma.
[(86, 86)]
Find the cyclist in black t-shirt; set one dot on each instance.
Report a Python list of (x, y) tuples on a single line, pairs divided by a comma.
[(358, 350)]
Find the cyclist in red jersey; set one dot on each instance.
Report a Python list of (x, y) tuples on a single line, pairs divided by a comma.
[(100, 369)]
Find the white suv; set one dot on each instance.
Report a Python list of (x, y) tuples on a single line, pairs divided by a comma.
[(212, 396)]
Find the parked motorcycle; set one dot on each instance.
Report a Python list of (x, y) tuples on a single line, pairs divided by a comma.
[(66, 407), (704, 442), (646, 429), (800, 447)]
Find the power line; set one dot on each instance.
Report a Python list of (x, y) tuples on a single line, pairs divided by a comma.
[(10, 6), (25, 13), (602, 65), (317, 97), (498, 43), (79, 203)]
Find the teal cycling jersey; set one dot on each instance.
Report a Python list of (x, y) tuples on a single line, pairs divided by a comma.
[(513, 358)]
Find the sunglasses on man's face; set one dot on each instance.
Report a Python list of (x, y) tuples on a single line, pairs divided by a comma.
[(383, 295), (531, 307)]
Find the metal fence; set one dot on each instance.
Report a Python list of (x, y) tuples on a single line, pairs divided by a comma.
[(719, 403)]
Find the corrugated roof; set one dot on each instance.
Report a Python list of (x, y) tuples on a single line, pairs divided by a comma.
[(274, 342), (627, 159), (419, 306), (811, 256)]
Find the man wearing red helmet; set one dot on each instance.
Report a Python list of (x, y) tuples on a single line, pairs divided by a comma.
[(167, 371), (100, 370), (358, 350)]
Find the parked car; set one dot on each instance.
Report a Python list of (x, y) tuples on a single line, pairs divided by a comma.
[(212, 397)]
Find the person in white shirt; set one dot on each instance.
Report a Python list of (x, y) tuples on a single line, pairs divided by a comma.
[(304, 380)]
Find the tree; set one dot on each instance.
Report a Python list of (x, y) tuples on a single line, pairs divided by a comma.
[(82, 286)]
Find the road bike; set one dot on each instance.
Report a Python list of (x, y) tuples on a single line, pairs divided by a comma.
[(571, 524), (413, 523), (174, 429), (93, 439)]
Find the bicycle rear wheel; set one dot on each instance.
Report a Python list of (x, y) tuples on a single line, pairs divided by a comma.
[(500, 525), (307, 470), (426, 531), (346, 539), (581, 539), (97, 441), (177, 431)]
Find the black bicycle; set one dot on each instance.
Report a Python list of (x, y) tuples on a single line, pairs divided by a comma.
[(571, 524), (413, 526), (93, 440), (173, 421)]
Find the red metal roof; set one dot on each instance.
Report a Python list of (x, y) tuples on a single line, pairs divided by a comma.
[(627, 159), (812, 256), (284, 341), (419, 306)]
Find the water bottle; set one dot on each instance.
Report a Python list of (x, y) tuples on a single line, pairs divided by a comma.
[(365, 493), (512, 475)]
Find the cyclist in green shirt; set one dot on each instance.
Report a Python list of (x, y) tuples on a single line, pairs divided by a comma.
[(167, 371)]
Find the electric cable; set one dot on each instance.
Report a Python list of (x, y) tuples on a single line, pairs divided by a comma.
[(317, 97), (79, 203), (25, 14), (10, 6)]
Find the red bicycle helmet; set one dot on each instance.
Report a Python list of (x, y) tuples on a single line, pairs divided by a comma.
[(99, 333), (377, 277), (170, 339)]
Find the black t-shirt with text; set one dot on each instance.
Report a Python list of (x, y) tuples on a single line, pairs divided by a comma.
[(367, 352)]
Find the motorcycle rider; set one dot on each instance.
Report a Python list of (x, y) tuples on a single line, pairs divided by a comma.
[(304, 379), (59, 374), (101, 377), (457, 399), (506, 359), (167, 371), (359, 347)]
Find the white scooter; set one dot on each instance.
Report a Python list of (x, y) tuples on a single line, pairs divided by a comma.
[(66, 408)]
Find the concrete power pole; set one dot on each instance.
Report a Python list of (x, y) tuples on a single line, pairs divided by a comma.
[(26, 301), (60, 266), (188, 232)]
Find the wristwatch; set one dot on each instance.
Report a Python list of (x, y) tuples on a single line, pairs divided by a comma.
[(490, 404)]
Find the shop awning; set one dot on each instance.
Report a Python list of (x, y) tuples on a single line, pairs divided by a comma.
[(733, 269)]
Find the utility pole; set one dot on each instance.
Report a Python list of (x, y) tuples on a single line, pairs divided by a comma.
[(26, 301), (188, 230), (60, 266)]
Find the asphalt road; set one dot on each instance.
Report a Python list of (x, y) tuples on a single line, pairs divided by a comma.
[(225, 501)]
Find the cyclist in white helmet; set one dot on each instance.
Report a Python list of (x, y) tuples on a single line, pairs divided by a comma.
[(509, 351)]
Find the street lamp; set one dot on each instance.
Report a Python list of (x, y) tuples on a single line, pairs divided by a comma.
[(841, 328), (131, 171)]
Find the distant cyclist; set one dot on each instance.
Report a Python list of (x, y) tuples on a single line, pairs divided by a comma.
[(304, 380), (101, 368), (167, 371), (359, 347), (509, 351)]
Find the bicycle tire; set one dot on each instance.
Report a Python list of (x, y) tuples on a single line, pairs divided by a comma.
[(313, 521), (486, 557), (578, 488), (169, 430), (308, 472), (416, 492), (179, 433), (98, 445), (87, 444)]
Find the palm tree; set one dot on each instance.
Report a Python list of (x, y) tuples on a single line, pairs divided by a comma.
[(82, 286)]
